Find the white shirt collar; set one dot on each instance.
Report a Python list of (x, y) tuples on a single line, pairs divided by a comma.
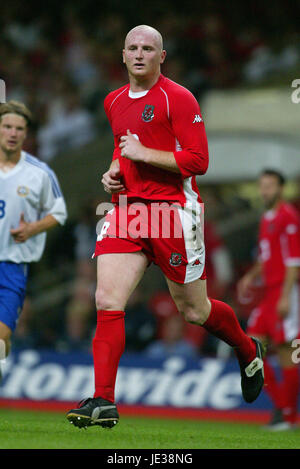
[(137, 94)]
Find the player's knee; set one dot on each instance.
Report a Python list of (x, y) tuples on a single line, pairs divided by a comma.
[(105, 301), (102, 300), (196, 314)]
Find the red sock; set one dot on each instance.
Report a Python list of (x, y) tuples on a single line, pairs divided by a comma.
[(272, 386), (108, 346), (290, 391), (223, 323)]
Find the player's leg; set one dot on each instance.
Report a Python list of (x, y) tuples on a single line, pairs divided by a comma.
[(219, 319), (5, 335), (289, 330), (290, 384), (260, 325), (272, 386), (282, 332), (117, 276), (13, 279), (181, 256)]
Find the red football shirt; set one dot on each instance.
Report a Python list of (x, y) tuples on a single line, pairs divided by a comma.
[(279, 243), (166, 118)]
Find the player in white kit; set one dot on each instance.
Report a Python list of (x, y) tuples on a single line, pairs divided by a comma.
[(31, 203)]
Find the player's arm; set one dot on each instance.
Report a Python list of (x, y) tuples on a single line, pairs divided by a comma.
[(133, 149), (249, 278), (192, 156), (26, 229), (290, 279), (292, 264), (111, 179), (52, 210)]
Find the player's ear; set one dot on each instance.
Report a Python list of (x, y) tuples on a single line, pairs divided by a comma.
[(123, 55), (163, 56)]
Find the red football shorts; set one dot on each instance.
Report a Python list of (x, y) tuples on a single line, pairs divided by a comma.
[(169, 235), (265, 321)]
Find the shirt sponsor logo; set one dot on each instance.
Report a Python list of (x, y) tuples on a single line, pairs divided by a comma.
[(148, 113), (22, 191), (197, 118)]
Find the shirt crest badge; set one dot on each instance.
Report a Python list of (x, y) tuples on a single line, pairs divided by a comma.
[(22, 191), (148, 113)]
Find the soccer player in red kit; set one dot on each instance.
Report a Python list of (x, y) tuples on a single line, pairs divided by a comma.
[(277, 317), (160, 147)]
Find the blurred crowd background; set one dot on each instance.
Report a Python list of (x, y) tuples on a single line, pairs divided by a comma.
[(61, 59)]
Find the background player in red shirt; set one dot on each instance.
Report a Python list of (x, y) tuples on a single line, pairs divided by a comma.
[(160, 147), (277, 318)]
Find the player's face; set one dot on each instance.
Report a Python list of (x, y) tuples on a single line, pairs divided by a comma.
[(13, 131), (143, 55), (270, 191)]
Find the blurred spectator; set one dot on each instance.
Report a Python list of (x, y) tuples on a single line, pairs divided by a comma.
[(84, 232), (80, 312), (73, 127), (163, 308), (80, 317), (173, 341), (264, 62), (296, 200), (24, 336), (140, 323), (24, 36), (218, 263), (43, 60), (78, 57)]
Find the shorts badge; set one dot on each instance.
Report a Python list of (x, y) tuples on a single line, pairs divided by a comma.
[(175, 259)]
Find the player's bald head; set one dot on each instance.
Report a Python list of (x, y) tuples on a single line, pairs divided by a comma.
[(147, 31)]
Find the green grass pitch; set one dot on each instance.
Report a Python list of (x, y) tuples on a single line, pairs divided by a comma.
[(20, 429)]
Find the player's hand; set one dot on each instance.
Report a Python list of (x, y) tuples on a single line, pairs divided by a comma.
[(244, 286), (111, 180), (283, 306), (23, 232), (131, 147)]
